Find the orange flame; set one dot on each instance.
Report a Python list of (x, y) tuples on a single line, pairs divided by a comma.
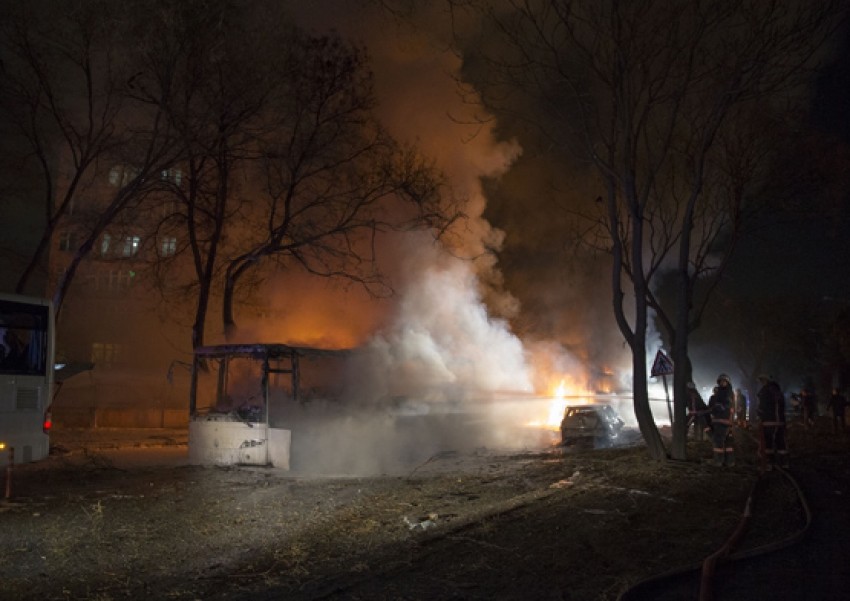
[(568, 391)]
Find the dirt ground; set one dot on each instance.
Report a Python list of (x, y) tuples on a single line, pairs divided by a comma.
[(553, 524)]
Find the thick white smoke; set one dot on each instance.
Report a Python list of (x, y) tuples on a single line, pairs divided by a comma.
[(429, 379), (442, 344)]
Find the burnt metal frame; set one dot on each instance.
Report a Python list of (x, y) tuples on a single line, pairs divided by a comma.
[(258, 352)]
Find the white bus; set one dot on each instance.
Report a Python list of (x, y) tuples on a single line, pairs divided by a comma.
[(26, 377)]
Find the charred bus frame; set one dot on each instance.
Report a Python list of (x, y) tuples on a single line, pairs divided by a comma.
[(234, 437)]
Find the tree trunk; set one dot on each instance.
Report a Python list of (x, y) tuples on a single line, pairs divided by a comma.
[(34, 261), (200, 315), (233, 273), (643, 410), (681, 375), (227, 320), (51, 218), (636, 338), (68, 276), (680, 335), (198, 338)]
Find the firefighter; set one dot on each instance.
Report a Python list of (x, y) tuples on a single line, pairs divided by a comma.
[(771, 410), (810, 407), (837, 404), (721, 407), (697, 412)]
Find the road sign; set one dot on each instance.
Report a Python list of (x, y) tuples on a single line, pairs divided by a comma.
[(663, 365)]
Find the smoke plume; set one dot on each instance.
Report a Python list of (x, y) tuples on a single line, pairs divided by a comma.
[(430, 376)]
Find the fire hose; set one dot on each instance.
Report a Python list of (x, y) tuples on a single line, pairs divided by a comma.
[(708, 566), (711, 562)]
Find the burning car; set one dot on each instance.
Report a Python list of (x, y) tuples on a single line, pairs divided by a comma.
[(590, 425)]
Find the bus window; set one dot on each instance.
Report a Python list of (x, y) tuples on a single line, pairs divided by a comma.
[(26, 376), (24, 330)]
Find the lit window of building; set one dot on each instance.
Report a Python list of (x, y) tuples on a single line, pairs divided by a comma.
[(105, 245), (66, 241), (172, 175), (129, 174), (115, 175), (169, 246), (121, 175), (116, 280), (131, 245), (105, 353)]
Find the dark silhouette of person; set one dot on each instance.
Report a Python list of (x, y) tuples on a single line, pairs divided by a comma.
[(697, 412), (810, 407), (837, 405), (720, 407), (771, 410)]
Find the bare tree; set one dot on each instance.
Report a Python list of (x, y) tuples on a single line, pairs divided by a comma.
[(283, 158), (651, 93), (219, 63), (65, 80), (332, 177)]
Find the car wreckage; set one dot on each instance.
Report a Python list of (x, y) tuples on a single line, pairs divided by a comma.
[(594, 425)]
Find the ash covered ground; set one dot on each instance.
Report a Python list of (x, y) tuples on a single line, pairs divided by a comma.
[(539, 524)]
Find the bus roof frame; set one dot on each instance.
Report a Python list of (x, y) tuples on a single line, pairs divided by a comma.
[(262, 352)]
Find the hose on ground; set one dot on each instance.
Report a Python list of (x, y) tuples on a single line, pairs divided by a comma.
[(707, 567)]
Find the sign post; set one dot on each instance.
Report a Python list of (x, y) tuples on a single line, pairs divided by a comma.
[(663, 366)]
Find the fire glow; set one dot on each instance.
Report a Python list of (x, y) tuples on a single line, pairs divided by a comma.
[(567, 391)]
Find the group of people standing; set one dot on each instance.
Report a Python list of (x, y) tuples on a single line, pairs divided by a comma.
[(724, 408), (806, 403)]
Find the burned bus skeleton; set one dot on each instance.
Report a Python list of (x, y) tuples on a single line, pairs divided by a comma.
[(240, 400)]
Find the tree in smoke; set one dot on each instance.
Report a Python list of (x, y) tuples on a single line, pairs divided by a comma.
[(332, 176), (655, 96), (285, 161)]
